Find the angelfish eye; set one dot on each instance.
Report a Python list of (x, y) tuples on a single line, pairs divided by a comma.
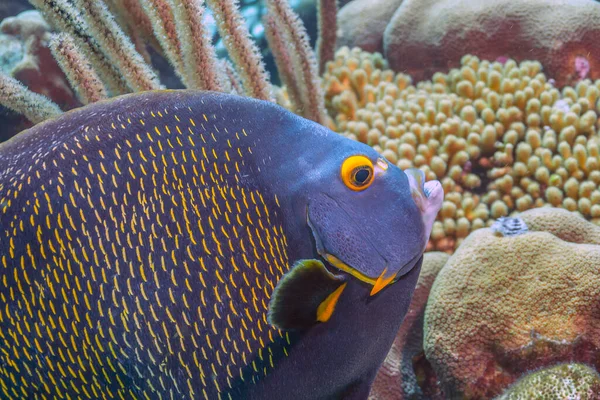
[(361, 175), (357, 172)]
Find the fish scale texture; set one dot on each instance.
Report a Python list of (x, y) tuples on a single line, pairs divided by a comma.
[(101, 283), (502, 306)]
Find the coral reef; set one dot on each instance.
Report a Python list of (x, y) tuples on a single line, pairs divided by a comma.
[(363, 22), (396, 378), (439, 32), (565, 381), (37, 68), (505, 305), (24, 55), (499, 136), (420, 37), (127, 46)]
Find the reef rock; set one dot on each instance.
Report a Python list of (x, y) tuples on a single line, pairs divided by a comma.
[(425, 36), (566, 381), (397, 378), (362, 23), (506, 305)]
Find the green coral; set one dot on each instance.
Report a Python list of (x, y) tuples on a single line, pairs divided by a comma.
[(565, 381)]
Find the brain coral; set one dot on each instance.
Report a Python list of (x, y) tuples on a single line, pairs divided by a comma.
[(565, 381), (504, 305), (424, 36), (499, 136), (361, 23), (397, 379)]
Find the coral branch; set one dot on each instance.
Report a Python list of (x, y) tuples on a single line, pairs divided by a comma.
[(76, 67), (33, 106), (278, 43), (64, 17), (130, 26), (242, 50), (230, 78), (137, 18), (163, 21), (304, 59), (327, 13), (117, 46), (199, 58)]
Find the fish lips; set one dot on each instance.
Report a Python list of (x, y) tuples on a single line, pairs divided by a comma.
[(428, 196)]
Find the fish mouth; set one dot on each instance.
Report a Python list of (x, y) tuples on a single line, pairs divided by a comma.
[(428, 196), (334, 265), (342, 266), (378, 283)]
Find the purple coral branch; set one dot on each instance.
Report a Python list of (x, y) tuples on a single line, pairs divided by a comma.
[(76, 67), (162, 17), (242, 50), (64, 17), (327, 13), (199, 58), (278, 43), (304, 59)]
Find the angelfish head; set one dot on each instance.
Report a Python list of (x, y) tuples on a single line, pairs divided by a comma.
[(374, 220)]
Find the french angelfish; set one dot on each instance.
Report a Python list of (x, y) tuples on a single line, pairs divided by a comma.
[(185, 244)]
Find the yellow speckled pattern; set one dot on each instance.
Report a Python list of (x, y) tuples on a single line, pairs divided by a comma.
[(135, 262)]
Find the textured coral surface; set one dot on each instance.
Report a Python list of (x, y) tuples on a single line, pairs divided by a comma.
[(420, 37), (499, 136), (362, 23), (502, 306), (565, 381)]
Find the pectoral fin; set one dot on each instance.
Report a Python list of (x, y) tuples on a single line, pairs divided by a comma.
[(304, 296)]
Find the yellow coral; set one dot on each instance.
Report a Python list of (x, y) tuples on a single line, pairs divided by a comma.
[(500, 137), (502, 306)]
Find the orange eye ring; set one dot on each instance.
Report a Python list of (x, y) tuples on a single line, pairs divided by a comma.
[(357, 173)]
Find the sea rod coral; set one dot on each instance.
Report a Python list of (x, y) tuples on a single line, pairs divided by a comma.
[(106, 36), (500, 136), (33, 64)]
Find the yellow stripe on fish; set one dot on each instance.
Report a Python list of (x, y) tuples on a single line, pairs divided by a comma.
[(175, 244), (80, 304)]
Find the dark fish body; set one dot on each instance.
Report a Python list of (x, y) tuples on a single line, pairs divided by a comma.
[(141, 240)]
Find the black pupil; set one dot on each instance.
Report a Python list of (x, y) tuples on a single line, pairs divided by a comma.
[(361, 176)]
